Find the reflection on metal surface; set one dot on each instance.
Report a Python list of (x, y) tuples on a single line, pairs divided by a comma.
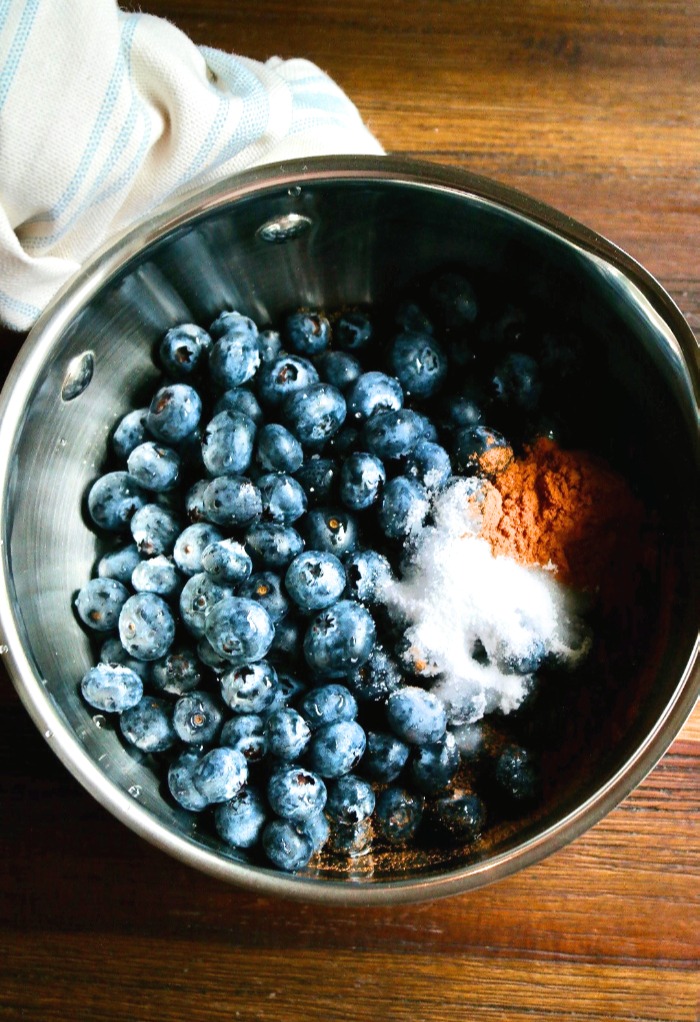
[(284, 227), (78, 375)]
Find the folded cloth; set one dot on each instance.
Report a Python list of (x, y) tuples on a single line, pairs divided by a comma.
[(104, 114)]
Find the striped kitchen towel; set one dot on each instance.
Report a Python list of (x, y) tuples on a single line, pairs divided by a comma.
[(104, 114)]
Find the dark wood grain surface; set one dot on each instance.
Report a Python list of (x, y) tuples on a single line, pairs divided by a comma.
[(595, 108)]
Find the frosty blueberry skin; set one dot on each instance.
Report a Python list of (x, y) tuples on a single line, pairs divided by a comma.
[(266, 588), (120, 563), (129, 433), (178, 672), (190, 545), (284, 376), (429, 465), (247, 734), (199, 594), (240, 820), (367, 571), (283, 498), (111, 688), (174, 412), (287, 734), (148, 725), (377, 678), (154, 466), (339, 639), (336, 749), (227, 443), (157, 575), (350, 800), (315, 413), (416, 716), (241, 400), (319, 478), (361, 480), (374, 392), (403, 508), (232, 321), (239, 630), (227, 561), (278, 450), (249, 688), (332, 530), (433, 766), (220, 774), (327, 704), (296, 793), (234, 358), (155, 530), (99, 603), (273, 546), (146, 626), (113, 500), (181, 783), (286, 847), (231, 501), (315, 580), (196, 718), (183, 350)]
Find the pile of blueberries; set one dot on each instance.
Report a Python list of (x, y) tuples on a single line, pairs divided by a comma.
[(260, 502)]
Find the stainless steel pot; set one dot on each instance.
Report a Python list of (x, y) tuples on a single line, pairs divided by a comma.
[(330, 232)]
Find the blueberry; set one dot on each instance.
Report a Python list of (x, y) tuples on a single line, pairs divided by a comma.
[(242, 401), (231, 501), (384, 758), (146, 627), (220, 774), (327, 704), (181, 784), (199, 595), (524, 660), (411, 318), (295, 793), (316, 829), (339, 639), (232, 321), (429, 464), (416, 716), (177, 672), (99, 603), (174, 412), (336, 749), (315, 413), (391, 435), (227, 443), (273, 546), (235, 358), (287, 734), (361, 480), (183, 349), (315, 580), (404, 506), (113, 500), (265, 587), (190, 546), (154, 467), (112, 652), (286, 375), (249, 688), (289, 690), (120, 563), (397, 815), (148, 725), (227, 561), (351, 840), (428, 429), (285, 846), (517, 382), (240, 821), (378, 677), (211, 659), (283, 498), (155, 530), (463, 410), (330, 530), (196, 718), (516, 775), (374, 392), (319, 478), (307, 333), (111, 688), (434, 765), (339, 369), (353, 330), (239, 630), (278, 450), (481, 450), (247, 734), (453, 300), (286, 644), (419, 363), (129, 433), (460, 815), (157, 575), (270, 345), (367, 573), (350, 800), (194, 501)]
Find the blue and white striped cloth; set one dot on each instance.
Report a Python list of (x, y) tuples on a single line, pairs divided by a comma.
[(105, 114)]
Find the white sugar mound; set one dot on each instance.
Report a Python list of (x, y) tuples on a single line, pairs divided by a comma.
[(478, 622)]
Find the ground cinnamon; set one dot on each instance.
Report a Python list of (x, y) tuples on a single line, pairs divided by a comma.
[(566, 510)]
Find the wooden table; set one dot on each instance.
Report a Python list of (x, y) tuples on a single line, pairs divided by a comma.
[(592, 107)]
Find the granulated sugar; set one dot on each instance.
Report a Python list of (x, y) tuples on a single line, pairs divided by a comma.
[(477, 623)]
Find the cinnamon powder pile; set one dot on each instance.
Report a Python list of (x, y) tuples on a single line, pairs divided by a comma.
[(566, 510)]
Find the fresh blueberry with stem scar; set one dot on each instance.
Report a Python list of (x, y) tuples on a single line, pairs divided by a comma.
[(247, 734), (174, 412), (307, 333), (199, 595), (331, 530), (315, 580), (296, 793), (196, 718), (239, 630), (178, 672), (183, 349), (339, 639), (374, 392), (286, 375), (353, 330), (190, 546), (99, 603), (249, 688), (265, 587)]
